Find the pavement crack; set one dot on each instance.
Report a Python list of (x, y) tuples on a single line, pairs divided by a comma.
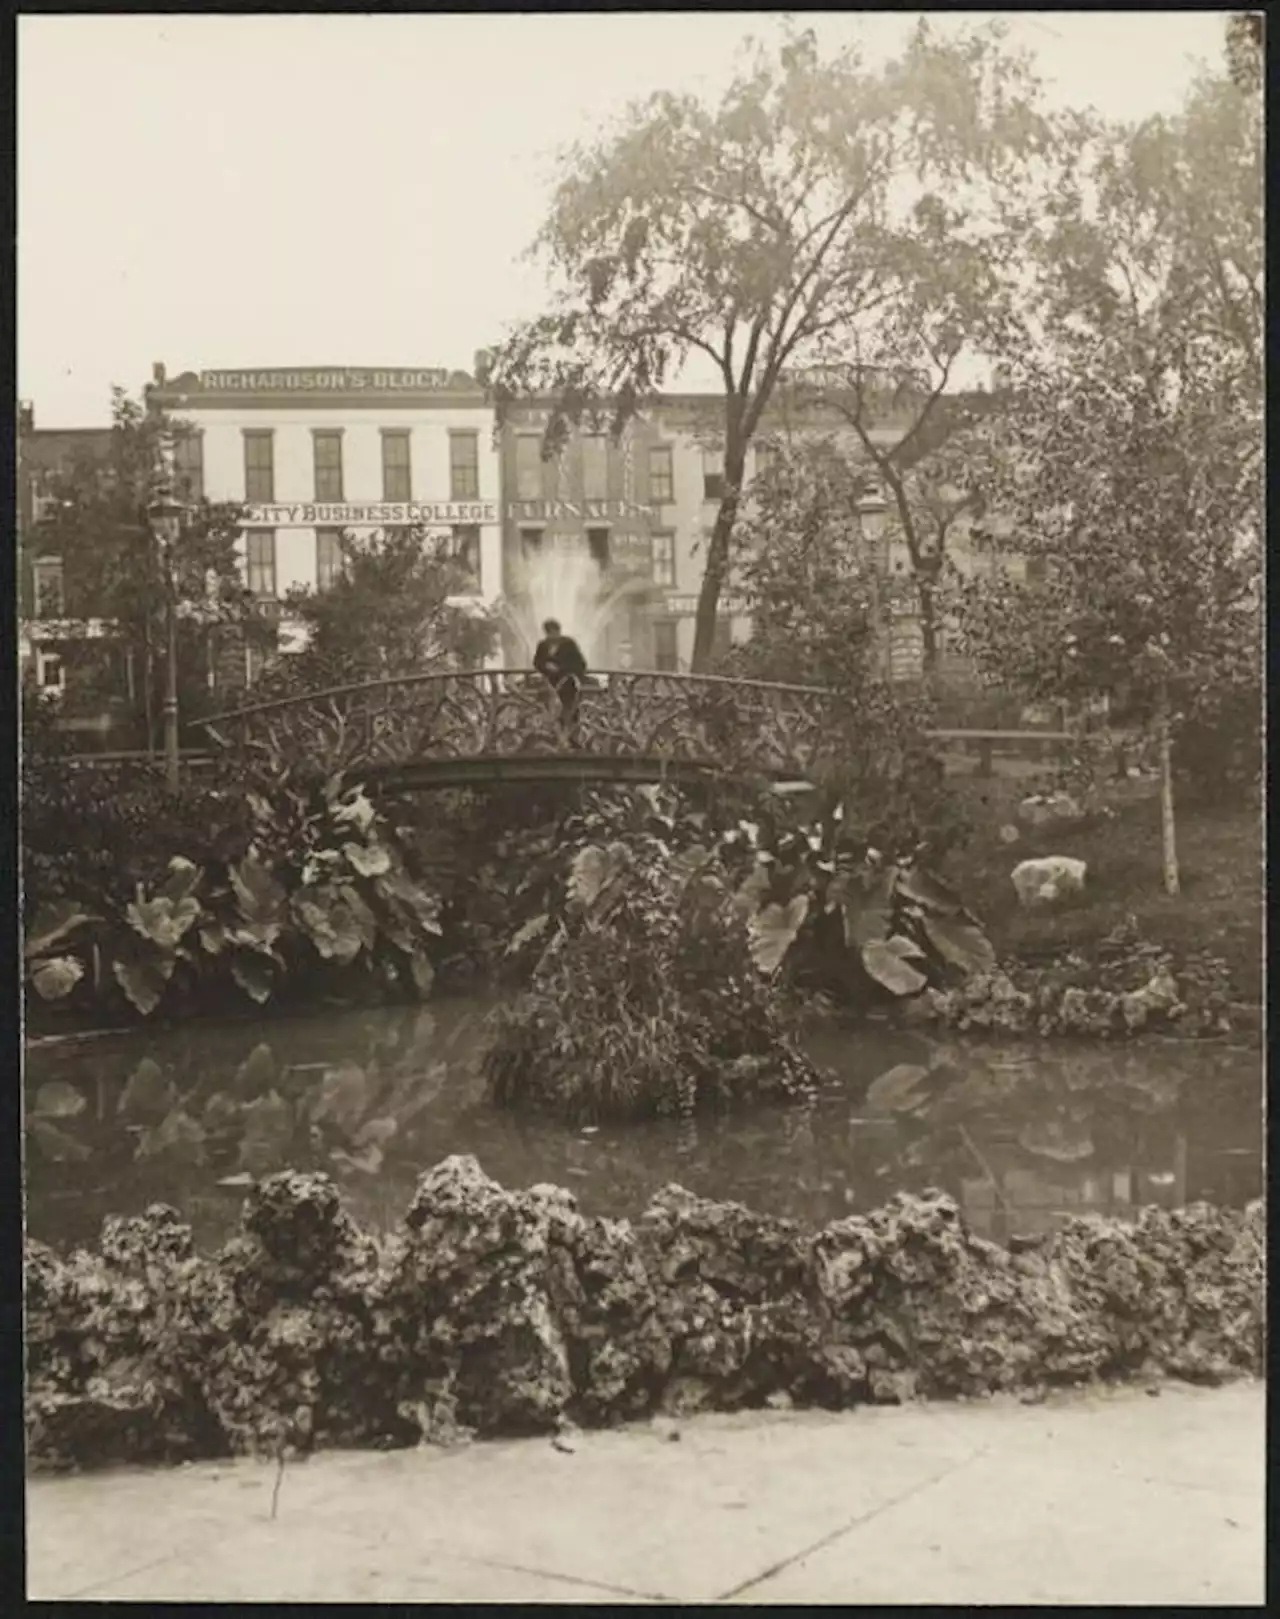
[(853, 1523), (566, 1579)]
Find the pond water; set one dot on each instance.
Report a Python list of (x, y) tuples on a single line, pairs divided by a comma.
[(1019, 1134)]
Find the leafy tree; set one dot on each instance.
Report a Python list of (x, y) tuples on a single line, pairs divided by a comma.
[(1246, 42), (395, 608), (1132, 464), (1137, 492), (815, 592), (115, 570), (751, 232)]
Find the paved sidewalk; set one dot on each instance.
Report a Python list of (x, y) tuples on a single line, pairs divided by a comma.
[(1107, 1498)]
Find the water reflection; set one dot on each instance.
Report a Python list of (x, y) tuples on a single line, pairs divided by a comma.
[(1020, 1135)]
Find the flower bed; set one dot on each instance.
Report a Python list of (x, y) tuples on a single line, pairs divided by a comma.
[(509, 1312)]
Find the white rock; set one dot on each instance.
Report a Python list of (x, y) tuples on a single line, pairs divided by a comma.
[(1039, 882)]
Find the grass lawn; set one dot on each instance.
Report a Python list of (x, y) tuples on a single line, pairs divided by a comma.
[(1220, 859)]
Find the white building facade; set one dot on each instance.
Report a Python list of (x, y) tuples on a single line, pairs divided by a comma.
[(314, 453)]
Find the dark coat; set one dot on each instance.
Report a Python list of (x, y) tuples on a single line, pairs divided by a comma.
[(557, 656)]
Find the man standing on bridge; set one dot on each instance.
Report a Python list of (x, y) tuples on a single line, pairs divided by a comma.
[(558, 659)]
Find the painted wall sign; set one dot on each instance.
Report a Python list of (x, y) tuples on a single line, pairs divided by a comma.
[(534, 511), (340, 380), (393, 512)]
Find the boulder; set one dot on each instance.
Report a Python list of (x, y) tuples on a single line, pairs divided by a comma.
[(1044, 809), (1041, 882)]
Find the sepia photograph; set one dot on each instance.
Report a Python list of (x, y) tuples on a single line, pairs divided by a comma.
[(640, 647)]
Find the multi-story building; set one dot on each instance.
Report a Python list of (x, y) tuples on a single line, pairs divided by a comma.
[(64, 647), (643, 510), (314, 452)]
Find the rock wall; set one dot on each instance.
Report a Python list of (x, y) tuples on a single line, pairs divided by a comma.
[(510, 1312)]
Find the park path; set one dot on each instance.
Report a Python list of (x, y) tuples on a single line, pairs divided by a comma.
[(1111, 1498)]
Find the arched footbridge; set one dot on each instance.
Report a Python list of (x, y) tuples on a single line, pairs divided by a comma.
[(485, 726)]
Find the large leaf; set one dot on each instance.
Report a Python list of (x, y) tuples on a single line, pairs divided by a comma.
[(163, 921), (961, 943), (54, 922), (593, 869), (56, 1145), (774, 929), (399, 889), (148, 1094), (183, 879), (929, 891), (259, 896), (865, 900), (898, 1090), (178, 1136), (528, 931), (370, 861), (143, 979), (55, 978), (754, 892), (368, 1160), (213, 938), (254, 975), (354, 810), (56, 1099), (888, 968), (366, 922)]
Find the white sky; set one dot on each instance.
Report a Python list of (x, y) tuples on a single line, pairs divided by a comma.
[(255, 191)]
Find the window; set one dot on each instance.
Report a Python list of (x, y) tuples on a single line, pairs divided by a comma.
[(1035, 570), (595, 467), (664, 560), (464, 466), (260, 561), (598, 545), (529, 466), (259, 467), (51, 673), (466, 552), (327, 448), (662, 483), (46, 581), (666, 645), (188, 466), (712, 474), (722, 640), (396, 481), (766, 458), (329, 558)]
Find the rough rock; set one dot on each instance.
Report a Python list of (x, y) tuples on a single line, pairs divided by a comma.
[(506, 1312), (1040, 882)]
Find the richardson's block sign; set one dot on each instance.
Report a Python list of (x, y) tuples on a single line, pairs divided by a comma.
[(331, 380), (446, 513)]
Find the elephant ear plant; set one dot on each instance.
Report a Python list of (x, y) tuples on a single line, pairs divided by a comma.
[(323, 885), (896, 923)]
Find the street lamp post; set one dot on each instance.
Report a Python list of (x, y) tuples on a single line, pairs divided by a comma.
[(165, 514)]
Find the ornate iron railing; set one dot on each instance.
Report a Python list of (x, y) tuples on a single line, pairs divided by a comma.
[(745, 727)]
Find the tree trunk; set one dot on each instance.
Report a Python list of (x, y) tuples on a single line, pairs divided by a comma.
[(1168, 828), (928, 625), (704, 634)]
